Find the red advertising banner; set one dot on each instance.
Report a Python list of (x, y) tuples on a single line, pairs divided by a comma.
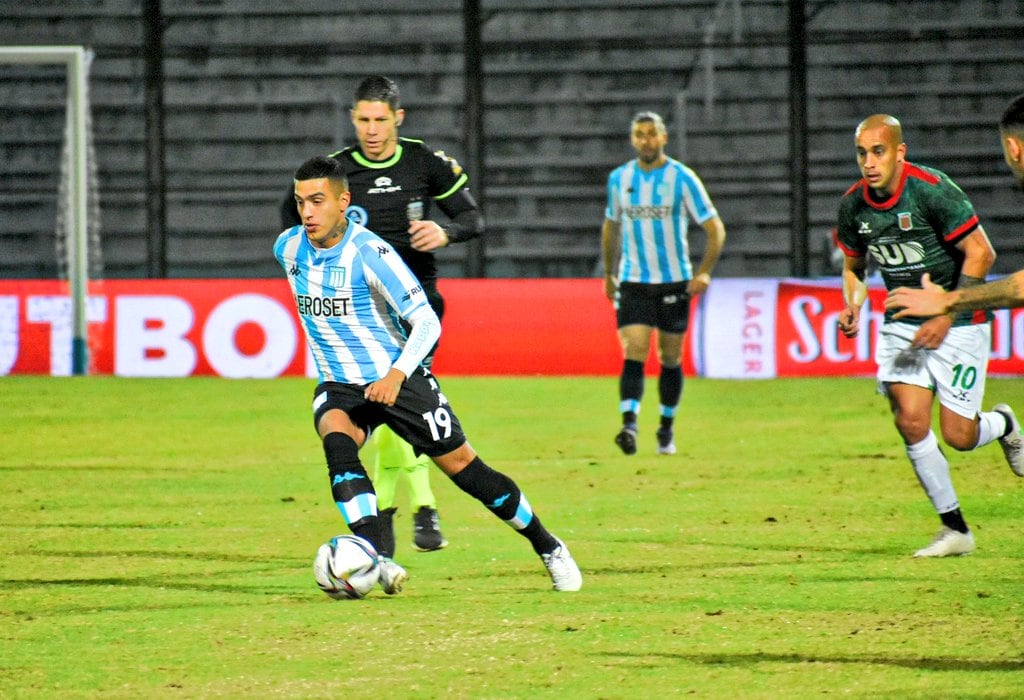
[(248, 328), (742, 328)]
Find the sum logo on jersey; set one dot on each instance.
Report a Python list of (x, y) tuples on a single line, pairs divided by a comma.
[(897, 254)]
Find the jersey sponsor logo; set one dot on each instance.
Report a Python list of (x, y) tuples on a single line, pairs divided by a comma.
[(412, 292), (903, 218), (865, 228), (383, 185), (324, 307), (897, 254), (357, 214), (647, 211)]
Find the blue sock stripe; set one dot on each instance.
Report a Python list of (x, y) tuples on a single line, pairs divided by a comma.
[(629, 405), (523, 516), (360, 506), (668, 411)]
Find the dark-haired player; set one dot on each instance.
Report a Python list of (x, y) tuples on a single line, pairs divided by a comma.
[(648, 275), (395, 184), (350, 289)]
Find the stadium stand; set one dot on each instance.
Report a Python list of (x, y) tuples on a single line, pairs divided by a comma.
[(244, 103)]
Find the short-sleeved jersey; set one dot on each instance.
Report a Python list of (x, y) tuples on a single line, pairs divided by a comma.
[(347, 297), (653, 210), (912, 232), (388, 194)]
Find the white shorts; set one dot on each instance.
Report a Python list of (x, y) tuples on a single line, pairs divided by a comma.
[(955, 371)]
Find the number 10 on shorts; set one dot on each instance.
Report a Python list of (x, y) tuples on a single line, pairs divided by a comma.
[(965, 377)]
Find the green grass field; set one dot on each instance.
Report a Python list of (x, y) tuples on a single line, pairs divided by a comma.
[(157, 539)]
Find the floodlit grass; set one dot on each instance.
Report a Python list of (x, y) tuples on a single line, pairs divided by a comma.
[(157, 539)]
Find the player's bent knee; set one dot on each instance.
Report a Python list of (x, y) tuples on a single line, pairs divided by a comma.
[(913, 430), (451, 463), (961, 441)]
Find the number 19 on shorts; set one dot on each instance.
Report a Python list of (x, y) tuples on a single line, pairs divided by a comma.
[(440, 422)]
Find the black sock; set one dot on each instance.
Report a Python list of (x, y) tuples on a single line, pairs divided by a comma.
[(629, 419), (667, 422), (631, 382), (954, 520), (670, 385), (502, 497), (348, 481)]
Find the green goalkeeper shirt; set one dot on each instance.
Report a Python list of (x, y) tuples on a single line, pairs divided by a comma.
[(912, 232)]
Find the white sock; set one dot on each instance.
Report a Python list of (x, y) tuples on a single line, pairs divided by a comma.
[(932, 471), (991, 427)]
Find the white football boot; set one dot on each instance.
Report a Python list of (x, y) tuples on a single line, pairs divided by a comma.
[(392, 575), (565, 575), (1013, 442), (948, 543)]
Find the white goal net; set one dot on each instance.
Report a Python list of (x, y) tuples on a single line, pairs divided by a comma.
[(77, 227)]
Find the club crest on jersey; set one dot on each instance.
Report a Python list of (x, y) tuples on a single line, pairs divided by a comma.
[(357, 214), (383, 185), (336, 276), (904, 221)]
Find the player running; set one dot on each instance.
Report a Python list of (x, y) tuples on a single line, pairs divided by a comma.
[(911, 219), (395, 183), (350, 287)]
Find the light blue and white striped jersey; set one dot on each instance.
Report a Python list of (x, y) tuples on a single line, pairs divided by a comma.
[(345, 295), (653, 210)]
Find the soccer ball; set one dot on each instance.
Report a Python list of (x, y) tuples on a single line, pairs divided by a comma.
[(346, 567)]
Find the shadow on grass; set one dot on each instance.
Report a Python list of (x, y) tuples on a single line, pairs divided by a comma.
[(938, 663)]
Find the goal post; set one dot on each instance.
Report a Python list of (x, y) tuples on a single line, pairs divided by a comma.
[(75, 59)]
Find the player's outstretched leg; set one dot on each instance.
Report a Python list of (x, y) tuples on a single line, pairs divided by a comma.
[(353, 493), (502, 497)]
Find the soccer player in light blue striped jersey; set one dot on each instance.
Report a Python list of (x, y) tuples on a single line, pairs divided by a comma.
[(647, 270), (352, 290)]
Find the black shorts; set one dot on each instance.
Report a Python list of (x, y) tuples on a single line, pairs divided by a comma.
[(663, 306), (421, 415)]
